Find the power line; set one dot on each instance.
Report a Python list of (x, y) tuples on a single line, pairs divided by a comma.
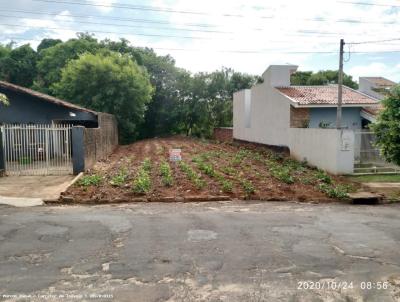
[(146, 8), (164, 28), (264, 51), (108, 17), (376, 41), (113, 32), (318, 19), (132, 26), (316, 34)]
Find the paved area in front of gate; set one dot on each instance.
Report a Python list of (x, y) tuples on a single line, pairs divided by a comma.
[(234, 251), (43, 187)]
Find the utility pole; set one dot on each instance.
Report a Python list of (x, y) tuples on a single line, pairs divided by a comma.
[(340, 89)]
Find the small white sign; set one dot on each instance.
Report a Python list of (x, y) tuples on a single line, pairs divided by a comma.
[(175, 155)]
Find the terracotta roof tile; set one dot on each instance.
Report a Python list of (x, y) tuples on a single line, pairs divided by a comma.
[(373, 110), (325, 95)]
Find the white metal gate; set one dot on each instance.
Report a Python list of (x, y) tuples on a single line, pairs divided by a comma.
[(37, 149), (367, 156)]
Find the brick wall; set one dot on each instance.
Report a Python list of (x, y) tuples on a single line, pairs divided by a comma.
[(299, 117), (100, 142), (223, 134)]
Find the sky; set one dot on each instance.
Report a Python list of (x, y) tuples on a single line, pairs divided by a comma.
[(246, 35)]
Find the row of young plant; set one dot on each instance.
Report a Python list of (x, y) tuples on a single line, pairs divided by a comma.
[(291, 171), (142, 181), (205, 164)]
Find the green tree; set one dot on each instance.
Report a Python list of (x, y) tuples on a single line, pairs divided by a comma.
[(54, 58), (323, 77), (18, 65), (300, 77), (387, 127), (206, 101), (163, 115), (108, 82), (47, 43)]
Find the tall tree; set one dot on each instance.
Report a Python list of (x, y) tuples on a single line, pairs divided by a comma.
[(54, 58), (47, 43), (387, 127), (18, 65), (108, 82), (323, 77)]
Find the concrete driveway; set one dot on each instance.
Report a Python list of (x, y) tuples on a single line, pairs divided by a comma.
[(201, 252), (32, 190)]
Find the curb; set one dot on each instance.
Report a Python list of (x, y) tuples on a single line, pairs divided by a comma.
[(69, 200)]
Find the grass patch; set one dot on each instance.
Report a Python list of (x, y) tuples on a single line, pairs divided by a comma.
[(142, 182), (90, 180), (119, 179), (166, 174), (248, 187), (375, 178), (332, 191)]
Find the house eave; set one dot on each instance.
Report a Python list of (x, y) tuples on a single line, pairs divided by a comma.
[(368, 116), (331, 105)]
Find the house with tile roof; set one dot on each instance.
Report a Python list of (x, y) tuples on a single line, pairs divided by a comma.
[(44, 135), (272, 113), (377, 87)]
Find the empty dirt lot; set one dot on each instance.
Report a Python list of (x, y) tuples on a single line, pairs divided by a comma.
[(208, 170)]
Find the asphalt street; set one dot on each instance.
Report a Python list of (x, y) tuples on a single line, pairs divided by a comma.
[(233, 251)]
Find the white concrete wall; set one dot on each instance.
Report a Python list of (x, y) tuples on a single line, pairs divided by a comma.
[(270, 116), (329, 149), (279, 75), (270, 125)]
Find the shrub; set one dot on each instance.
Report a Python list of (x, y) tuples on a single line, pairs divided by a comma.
[(142, 183), (206, 168), (283, 174), (227, 186), (323, 177), (119, 179), (339, 191), (166, 174), (248, 187), (146, 165), (90, 180)]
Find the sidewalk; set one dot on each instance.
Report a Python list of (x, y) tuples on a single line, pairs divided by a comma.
[(32, 190)]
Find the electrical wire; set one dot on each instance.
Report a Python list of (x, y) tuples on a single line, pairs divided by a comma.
[(264, 51), (130, 26), (376, 41), (319, 19), (146, 8)]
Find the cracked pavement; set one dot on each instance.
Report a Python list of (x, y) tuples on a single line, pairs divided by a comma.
[(228, 251)]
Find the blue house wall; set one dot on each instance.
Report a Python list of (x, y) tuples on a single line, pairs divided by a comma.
[(28, 109), (351, 118)]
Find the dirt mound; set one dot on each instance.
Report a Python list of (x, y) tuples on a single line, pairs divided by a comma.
[(208, 171)]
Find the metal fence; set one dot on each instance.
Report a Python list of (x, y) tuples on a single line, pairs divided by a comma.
[(37, 149), (368, 158)]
